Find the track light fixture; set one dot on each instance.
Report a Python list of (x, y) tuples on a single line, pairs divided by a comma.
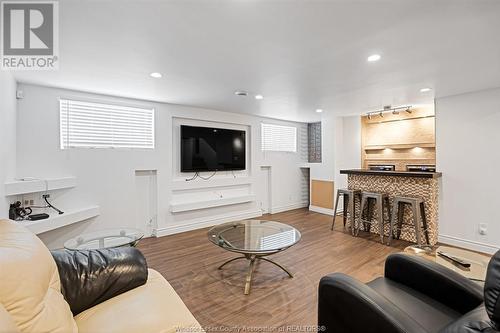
[(394, 111)]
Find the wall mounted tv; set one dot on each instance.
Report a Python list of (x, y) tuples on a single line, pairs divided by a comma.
[(211, 149)]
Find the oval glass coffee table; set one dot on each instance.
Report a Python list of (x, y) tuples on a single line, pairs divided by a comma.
[(255, 240), (106, 238)]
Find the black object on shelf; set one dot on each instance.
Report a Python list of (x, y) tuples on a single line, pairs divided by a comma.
[(36, 217), (456, 260), (380, 167)]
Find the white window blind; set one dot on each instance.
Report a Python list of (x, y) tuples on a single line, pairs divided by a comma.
[(96, 125), (278, 138)]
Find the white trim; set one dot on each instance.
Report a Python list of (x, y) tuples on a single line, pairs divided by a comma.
[(284, 208), (206, 222), (321, 210), (468, 244)]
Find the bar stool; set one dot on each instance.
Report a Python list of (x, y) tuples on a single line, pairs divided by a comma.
[(380, 201), (418, 209), (349, 209)]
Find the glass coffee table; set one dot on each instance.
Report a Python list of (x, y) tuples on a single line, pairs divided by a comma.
[(255, 240), (478, 262), (106, 238)]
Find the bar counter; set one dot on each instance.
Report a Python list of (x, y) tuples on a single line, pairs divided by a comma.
[(424, 185)]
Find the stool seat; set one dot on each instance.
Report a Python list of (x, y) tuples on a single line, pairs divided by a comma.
[(347, 191)]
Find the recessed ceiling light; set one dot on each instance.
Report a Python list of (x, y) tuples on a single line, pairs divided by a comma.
[(424, 90), (374, 57), (319, 110), (156, 75), (259, 97)]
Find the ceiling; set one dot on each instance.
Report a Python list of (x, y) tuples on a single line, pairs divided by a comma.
[(301, 55)]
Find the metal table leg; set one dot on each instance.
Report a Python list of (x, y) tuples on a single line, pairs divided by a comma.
[(231, 260), (248, 280)]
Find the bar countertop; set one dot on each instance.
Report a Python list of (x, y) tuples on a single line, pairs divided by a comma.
[(414, 174)]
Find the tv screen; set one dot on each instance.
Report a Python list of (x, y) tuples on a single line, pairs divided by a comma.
[(211, 149)]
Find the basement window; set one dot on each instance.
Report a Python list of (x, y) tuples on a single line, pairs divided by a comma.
[(97, 125), (278, 138)]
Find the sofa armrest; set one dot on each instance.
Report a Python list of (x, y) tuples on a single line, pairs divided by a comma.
[(90, 277), (435, 281), (347, 305)]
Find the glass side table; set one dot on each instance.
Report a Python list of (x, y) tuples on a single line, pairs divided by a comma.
[(106, 238)]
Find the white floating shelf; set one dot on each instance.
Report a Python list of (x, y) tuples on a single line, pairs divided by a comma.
[(31, 186), (180, 185), (56, 221), (194, 205)]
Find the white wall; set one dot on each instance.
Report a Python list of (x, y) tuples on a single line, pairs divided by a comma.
[(341, 149), (467, 139), (349, 151), (7, 135), (107, 177)]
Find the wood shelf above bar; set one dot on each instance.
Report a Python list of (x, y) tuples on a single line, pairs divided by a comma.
[(400, 146), (413, 174)]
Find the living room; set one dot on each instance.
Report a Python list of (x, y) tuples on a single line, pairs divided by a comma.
[(229, 166)]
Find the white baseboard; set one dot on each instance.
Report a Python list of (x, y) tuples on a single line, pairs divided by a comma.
[(321, 210), (467, 244), (284, 208), (207, 222)]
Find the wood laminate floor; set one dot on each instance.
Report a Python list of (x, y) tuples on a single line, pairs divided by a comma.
[(215, 297)]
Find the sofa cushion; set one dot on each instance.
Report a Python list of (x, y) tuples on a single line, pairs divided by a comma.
[(475, 321), (429, 313), (153, 307), (30, 288), (7, 325)]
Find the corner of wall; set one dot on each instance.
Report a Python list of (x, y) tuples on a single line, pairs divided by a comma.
[(7, 135)]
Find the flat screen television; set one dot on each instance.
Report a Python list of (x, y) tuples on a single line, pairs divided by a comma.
[(211, 149)]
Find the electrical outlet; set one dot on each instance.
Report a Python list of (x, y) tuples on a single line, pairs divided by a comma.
[(483, 229), (32, 202), (26, 203)]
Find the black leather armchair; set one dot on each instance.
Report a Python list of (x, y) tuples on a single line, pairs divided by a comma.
[(415, 295)]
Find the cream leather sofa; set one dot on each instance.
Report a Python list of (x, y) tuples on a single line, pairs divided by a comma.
[(31, 298)]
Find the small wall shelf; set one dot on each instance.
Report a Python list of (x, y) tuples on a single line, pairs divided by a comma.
[(180, 185), (178, 207), (57, 221), (400, 146), (31, 186)]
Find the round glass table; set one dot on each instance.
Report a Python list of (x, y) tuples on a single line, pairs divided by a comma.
[(478, 263), (106, 238), (255, 240)]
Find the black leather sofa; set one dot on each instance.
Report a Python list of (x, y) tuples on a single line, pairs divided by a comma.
[(415, 295)]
